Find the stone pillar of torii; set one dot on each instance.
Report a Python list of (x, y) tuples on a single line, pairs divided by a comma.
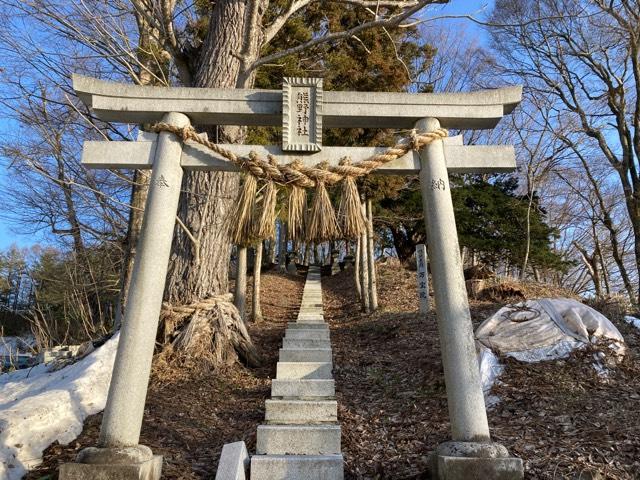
[(303, 110)]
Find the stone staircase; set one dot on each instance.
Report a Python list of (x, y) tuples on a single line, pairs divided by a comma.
[(300, 439)]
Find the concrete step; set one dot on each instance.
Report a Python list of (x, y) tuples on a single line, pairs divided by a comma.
[(310, 319), (303, 370), (308, 325), (311, 388), (298, 439), (301, 411), (297, 467), (295, 343), (311, 334), (305, 355)]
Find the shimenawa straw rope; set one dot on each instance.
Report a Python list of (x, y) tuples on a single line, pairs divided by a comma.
[(250, 225)]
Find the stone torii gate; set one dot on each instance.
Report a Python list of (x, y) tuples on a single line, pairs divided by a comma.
[(303, 109)]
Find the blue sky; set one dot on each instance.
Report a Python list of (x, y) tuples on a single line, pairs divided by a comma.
[(9, 235), (476, 8)]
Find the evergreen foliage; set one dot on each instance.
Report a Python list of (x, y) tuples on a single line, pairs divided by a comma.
[(491, 218), (491, 221)]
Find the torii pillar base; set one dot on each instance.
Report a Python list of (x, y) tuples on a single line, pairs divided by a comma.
[(130, 463), (475, 461)]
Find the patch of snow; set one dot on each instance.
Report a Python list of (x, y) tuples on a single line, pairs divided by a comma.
[(633, 321), (38, 407)]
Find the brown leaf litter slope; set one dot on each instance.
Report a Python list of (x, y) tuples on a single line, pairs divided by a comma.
[(559, 416)]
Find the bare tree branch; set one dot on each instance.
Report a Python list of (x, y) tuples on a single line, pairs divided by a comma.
[(392, 21)]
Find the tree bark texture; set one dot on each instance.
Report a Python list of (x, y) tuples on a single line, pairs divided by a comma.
[(200, 269), (373, 287), (405, 239), (364, 274), (282, 249), (308, 250), (357, 274), (240, 297), (272, 251), (256, 308)]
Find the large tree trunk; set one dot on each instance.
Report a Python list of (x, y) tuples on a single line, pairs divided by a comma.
[(405, 241), (308, 250), (200, 271)]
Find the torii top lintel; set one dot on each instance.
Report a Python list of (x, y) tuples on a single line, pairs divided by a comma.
[(126, 103)]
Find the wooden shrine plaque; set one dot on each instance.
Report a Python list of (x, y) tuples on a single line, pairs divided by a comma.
[(302, 114)]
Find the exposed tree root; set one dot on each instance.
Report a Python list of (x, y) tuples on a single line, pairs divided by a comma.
[(211, 330)]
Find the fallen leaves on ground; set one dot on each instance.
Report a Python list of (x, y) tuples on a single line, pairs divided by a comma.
[(187, 421), (560, 417)]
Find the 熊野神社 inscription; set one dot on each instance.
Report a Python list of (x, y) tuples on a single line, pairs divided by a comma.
[(302, 114)]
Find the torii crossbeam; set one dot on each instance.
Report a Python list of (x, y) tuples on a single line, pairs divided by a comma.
[(303, 109)]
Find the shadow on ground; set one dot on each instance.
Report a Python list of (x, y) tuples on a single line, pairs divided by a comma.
[(189, 420)]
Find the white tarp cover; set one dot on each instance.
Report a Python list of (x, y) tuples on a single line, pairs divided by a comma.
[(635, 322), (39, 407), (538, 330)]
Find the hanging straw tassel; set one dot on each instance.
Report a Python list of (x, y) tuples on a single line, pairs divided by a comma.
[(322, 224), (267, 224), (296, 212), (351, 220), (242, 232)]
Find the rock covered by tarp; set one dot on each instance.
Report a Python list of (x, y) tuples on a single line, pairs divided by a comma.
[(543, 329)]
